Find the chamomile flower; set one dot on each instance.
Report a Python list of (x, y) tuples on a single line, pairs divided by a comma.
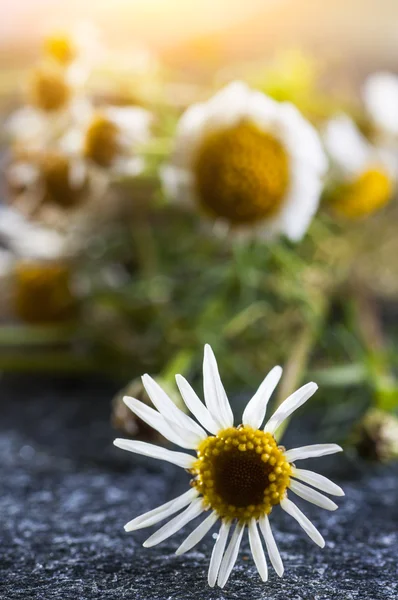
[(53, 103), (239, 473), (109, 138), (82, 43), (380, 95), (248, 161), (49, 178), (366, 173)]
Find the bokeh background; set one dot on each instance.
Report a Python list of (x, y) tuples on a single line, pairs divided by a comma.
[(358, 35)]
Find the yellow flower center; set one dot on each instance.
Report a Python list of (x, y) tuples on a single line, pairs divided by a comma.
[(60, 48), (365, 195), (102, 141), (49, 90), (59, 188), (42, 292), (241, 174), (241, 473)]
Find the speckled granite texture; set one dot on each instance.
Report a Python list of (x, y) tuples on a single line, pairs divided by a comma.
[(66, 493)]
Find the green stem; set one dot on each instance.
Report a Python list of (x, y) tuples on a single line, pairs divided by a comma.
[(298, 361), (58, 362), (32, 335), (145, 247)]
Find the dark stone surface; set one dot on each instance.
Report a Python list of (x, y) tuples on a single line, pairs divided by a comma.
[(66, 493)]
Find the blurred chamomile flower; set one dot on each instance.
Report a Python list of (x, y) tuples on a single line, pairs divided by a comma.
[(82, 43), (39, 263), (54, 103), (248, 161), (110, 138), (365, 175), (238, 473), (28, 240), (49, 178), (380, 95)]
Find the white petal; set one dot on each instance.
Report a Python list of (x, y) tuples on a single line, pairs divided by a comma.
[(272, 548), (77, 173), (128, 166), (193, 511), (257, 551), (190, 130), (318, 481), (312, 451), (348, 149), (161, 512), (197, 534), (313, 496), (381, 99), (132, 121), (177, 458), (22, 174), (215, 396), (302, 139), (196, 406), (303, 521), (173, 433), (178, 185), (301, 203), (291, 404), (228, 106), (230, 555), (254, 412), (168, 409), (217, 554)]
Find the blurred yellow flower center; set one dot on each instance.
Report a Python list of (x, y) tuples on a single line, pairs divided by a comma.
[(241, 473), (59, 187), (102, 141), (241, 173), (60, 48), (49, 90), (365, 195), (42, 292)]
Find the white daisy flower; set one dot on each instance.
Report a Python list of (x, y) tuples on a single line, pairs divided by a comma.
[(53, 105), (83, 42), (77, 51), (238, 473), (367, 174), (50, 178), (110, 137), (248, 161), (27, 240), (380, 94)]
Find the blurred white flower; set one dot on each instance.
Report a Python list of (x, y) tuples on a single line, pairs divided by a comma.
[(110, 138), (366, 174), (248, 161), (380, 95), (25, 239), (78, 50), (53, 104)]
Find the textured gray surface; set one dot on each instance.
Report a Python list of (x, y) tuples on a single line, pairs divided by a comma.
[(66, 494)]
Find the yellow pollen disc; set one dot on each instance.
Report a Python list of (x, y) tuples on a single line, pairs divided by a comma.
[(102, 141), (365, 195), (241, 174), (60, 48), (49, 90), (241, 473), (57, 183)]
